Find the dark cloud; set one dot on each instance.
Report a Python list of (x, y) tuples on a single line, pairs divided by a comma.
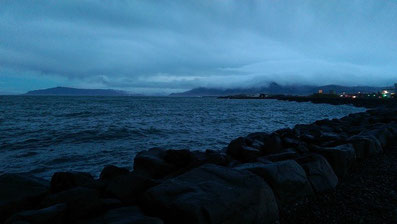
[(153, 46)]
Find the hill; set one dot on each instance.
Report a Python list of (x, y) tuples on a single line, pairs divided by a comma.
[(274, 88), (66, 91)]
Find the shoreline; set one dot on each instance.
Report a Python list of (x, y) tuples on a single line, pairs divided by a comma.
[(252, 181), (368, 103)]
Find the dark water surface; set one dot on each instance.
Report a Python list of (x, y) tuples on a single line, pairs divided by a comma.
[(42, 135)]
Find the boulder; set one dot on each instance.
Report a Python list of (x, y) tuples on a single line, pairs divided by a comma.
[(82, 202), (111, 203), (51, 215), (20, 191), (129, 188), (217, 157), (268, 143), (319, 172), (287, 179), (61, 181), (340, 157), (151, 163), (213, 194), (129, 215), (307, 132), (15, 187), (365, 146), (240, 150), (254, 145), (380, 132), (109, 172), (287, 155), (179, 158)]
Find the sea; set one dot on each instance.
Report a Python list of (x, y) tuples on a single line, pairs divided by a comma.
[(41, 135)]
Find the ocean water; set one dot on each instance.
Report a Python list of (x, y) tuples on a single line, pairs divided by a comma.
[(41, 135)]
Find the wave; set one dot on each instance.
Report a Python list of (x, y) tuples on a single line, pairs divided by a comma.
[(80, 114)]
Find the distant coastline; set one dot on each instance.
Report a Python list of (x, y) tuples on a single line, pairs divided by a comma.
[(277, 89), (66, 91)]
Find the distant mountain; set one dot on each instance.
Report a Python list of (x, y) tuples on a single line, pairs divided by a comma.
[(65, 91), (274, 88)]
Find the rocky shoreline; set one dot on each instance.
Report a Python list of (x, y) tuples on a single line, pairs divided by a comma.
[(253, 180), (334, 100)]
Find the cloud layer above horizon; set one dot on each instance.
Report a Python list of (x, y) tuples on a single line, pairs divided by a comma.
[(166, 46)]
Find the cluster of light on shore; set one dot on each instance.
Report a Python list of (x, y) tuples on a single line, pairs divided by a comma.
[(386, 93)]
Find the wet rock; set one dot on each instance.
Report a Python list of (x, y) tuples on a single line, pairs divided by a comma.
[(21, 186), (240, 150), (19, 191), (61, 181), (254, 145), (217, 158), (129, 215), (129, 188), (179, 158), (287, 179), (380, 132), (365, 146), (319, 172), (213, 194), (110, 203), (268, 143), (287, 155), (340, 157), (307, 133), (82, 202), (109, 172), (151, 163), (51, 215)]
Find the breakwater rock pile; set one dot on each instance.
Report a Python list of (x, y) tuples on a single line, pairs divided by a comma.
[(358, 102), (247, 182)]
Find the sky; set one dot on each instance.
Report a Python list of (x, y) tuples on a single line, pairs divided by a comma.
[(159, 47)]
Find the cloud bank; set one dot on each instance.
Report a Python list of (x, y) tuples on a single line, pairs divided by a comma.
[(166, 46)]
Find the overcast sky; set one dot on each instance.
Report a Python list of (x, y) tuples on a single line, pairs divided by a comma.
[(163, 46)]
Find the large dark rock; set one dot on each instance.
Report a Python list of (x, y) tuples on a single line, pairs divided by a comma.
[(152, 163), (296, 144), (81, 202), (380, 132), (287, 179), (179, 158), (340, 157), (159, 163), (268, 143), (109, 172), (213, 194), (248, 149), (129, 215), (239, 149), (61, 181), (319, 172), (51, 215), (19, 191), (213, 157), (21, 186), (287, 155), (307, 132), (129, 188), (365, 146)]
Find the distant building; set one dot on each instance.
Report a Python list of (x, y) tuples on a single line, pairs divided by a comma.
[(320, 91)]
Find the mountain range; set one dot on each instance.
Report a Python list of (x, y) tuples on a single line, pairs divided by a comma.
[(274, 88), (66, 91)]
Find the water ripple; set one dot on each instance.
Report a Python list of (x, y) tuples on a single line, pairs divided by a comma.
[(42, 135)]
